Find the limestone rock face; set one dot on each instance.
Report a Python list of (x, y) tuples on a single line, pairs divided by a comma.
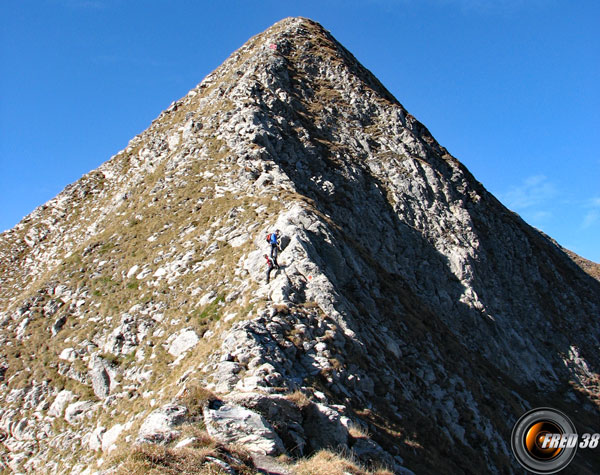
[(76, 412), (60, 402), (324, 428), (111, 436), (100, 378), (412, 318), (235, 424), (159, 426), (182, 341)]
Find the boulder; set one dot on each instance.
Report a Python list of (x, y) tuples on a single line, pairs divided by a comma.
[(231, 423), (225, 376), (159, 426), (283, 415), (324, 428), (23, 430), (110, 437), (182, 341), (95, 440), (60, 402), (68, 354), (100, 378), (58, 324), (77, 411), (370, 452)]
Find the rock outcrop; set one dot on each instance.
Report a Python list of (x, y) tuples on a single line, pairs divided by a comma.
[(412, 320)]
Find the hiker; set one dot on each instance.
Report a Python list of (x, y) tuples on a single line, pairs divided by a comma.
[(269, 267), (273, 240)]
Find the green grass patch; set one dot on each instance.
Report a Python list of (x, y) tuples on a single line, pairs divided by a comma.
[(211, 311)]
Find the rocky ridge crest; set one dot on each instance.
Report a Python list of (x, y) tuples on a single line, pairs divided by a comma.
[(413, 319)]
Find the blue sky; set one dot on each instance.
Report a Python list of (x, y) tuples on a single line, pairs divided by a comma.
[(510, 87)]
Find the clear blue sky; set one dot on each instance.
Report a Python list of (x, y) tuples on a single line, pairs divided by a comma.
[(510, 87)]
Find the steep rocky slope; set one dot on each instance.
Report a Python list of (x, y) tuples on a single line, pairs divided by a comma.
[(412, 321), (592, 268)]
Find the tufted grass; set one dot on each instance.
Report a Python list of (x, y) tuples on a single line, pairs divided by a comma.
[(200, 459), (326, 462)]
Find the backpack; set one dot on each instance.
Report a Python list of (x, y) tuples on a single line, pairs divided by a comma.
[(269, 237)]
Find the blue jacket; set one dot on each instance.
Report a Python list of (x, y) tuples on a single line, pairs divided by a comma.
[(273, 239)]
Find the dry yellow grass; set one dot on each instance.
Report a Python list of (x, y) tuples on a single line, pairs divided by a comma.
[(358, 432), (195, 397), (299, 398), (326, 462), (155, 459)]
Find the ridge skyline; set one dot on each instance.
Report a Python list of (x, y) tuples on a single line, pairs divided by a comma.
[(537, 189)]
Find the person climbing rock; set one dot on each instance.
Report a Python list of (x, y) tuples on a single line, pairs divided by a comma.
[(273, 240), (269, 267)]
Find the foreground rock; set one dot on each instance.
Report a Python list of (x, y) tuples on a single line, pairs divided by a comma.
[(234, 424), (160, 426)]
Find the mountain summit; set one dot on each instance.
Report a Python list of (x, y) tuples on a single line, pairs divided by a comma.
[(412, 320)]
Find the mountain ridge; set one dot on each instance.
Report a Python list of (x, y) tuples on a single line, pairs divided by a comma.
[(403, 305)]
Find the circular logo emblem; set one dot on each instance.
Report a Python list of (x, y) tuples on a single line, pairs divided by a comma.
[(544, 440)]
